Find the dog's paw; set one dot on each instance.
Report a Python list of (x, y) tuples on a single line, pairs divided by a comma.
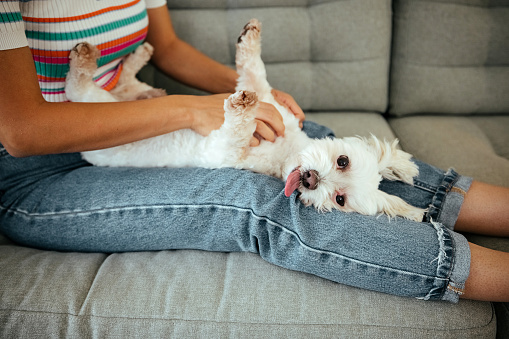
[(251, 31), (394, 206), (84, 55), (241, 102), (413, 213), (144, 51)]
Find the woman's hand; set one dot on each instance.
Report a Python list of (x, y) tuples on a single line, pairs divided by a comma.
[(208, 115), (289, 102)]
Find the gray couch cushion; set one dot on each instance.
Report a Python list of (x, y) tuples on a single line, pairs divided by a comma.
[(476, 146), (316, 50), (347, 124), (4, 240), (450, 56), (184, 294)]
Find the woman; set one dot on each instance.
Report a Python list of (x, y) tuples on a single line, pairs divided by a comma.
[(52, 199)]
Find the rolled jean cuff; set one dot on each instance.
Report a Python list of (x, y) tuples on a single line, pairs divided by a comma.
[(460, 268), (446, 203), (453, 265)]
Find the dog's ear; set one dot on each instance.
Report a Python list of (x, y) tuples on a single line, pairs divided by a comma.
[(383, 151), (393, 163), (395, 206)]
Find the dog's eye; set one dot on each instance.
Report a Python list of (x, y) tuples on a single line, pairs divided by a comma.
[(343, 161), (340, 199)]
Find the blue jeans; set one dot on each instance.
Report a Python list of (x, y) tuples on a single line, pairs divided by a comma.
[(60, 202)]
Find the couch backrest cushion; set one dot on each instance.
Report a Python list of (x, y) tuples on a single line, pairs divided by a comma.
[(330, 55), (450, 56)]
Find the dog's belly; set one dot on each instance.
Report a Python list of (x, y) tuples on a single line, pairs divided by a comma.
[(183, 148), (186, 148)]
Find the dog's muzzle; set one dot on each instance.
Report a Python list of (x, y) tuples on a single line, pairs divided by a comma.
[(309, 179), (296, 179)]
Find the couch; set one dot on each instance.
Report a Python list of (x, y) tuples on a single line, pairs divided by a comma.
[(433, 73)]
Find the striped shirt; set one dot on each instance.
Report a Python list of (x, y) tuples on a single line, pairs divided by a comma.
[(51, 28)]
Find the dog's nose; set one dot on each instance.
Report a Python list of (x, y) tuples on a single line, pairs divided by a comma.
[(310, 179)]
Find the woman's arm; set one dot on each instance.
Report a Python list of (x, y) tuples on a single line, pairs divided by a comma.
[(32, 126), (183, 62)]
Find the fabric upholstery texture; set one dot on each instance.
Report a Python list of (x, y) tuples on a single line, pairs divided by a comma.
[(210, 295), (449, 58), (475, 146)]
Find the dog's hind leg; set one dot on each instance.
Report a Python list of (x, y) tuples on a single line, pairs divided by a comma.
[(129, 87), (79, 83), (135, 61), (250, 67)]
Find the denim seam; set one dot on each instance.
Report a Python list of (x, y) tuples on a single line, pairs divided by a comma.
[(271, 222), (425, 186)]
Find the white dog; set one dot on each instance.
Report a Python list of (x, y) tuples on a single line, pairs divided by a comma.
[(341, 174)]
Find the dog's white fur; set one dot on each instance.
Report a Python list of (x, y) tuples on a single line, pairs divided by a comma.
[(313, 167)]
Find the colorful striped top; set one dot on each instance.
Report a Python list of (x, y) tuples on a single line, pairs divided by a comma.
[(51, 28)]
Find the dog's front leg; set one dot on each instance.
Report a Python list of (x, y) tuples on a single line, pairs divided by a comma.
[(229, 145), (129, 87), (394, 206), (250, 67)]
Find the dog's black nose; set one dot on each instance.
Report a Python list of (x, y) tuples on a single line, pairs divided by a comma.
[(310, 179)]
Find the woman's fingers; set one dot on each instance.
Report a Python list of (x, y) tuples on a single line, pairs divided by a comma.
[(289, 102), (269, 122), (209, 115)]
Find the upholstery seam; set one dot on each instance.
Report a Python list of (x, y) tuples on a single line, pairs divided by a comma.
[(240, 322), (418, 64), (465, 5)]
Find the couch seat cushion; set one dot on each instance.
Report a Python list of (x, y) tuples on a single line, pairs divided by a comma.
[(476, 146), (185, 294)]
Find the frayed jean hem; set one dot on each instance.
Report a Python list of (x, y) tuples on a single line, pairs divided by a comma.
[(453, 265), (443, 214), (460, 268)]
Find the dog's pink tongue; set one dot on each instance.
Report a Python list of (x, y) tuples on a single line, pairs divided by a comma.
[(292, 182)]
